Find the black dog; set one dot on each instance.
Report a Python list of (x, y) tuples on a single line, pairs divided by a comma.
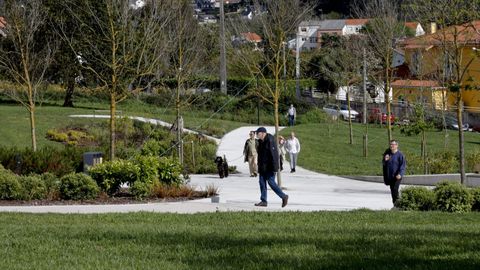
[(222, 166)]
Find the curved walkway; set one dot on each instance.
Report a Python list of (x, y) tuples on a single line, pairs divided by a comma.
[(308, 191)]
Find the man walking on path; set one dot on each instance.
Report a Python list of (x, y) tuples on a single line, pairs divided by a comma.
[(250, 153), (268, 166), (293, 148), (393, 169), (292, 114)]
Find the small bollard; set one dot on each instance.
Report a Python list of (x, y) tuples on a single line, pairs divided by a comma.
[(215, 199)]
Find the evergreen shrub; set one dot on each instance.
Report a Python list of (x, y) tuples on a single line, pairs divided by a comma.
[(33, 187), (476, 198), (452, 197), (78, 186), (416, 198), (10, 187)]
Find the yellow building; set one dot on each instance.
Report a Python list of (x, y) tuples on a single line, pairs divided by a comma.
[(434, 63)]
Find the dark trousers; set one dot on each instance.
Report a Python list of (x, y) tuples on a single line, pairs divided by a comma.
[(394, 187)]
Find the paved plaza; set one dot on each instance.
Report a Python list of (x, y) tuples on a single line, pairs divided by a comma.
[(307, 190)]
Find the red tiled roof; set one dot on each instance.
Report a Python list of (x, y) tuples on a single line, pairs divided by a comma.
[(356, 21), (3, 22), (252, 37), (415, 83), (468, 33), (412, 25)]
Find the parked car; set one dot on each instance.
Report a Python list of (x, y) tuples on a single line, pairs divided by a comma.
[(340, 111), (375, 115), (452, 123)]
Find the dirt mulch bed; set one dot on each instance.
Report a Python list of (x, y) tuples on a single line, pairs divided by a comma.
[(98, 201)]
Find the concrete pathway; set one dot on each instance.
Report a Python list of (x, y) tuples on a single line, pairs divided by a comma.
[(308, 191)]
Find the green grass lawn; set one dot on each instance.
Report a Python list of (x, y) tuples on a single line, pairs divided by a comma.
[(330, 152), (15, 125), (321, 240)]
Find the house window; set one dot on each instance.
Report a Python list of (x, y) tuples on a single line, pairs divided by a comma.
[(303, 29), (303, 38), (313, 39)]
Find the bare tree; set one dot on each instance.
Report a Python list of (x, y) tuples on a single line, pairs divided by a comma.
[(383, 29), (25, 55), (123, 46), (278, 20), (454, 40), (186, 48), (342, 63)]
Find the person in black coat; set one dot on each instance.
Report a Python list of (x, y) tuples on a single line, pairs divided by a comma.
[(394, 166), (268, 166)]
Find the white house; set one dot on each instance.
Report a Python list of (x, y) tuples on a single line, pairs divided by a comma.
[(353, 26), (375, 94), (310, 33)]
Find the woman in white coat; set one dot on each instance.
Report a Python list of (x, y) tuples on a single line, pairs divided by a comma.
[(293, 148)]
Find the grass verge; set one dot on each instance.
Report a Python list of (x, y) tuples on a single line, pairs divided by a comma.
[(326, 148), (321, 240)]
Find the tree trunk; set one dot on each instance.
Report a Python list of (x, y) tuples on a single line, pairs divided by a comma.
[(461, 145), (349, 117), (424, 151), (70, 87), (277, 124), (113, 107), (32, 126), (389, 112)]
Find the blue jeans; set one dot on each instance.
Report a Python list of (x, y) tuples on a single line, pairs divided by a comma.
[(291, 120), (270, 178)]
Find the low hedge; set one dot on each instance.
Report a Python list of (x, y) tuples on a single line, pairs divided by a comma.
[(78, 186), (447, 196), (416, 198)]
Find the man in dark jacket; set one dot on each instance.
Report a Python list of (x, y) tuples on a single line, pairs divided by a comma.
[(268, 166), (394, 165)]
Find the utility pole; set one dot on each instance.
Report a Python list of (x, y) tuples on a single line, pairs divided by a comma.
[(223, 60), (364, 86), (365, 136)]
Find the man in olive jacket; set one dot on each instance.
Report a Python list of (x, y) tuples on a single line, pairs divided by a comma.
[(268, 166)]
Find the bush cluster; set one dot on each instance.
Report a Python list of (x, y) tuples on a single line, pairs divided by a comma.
[(74, 186), (46, 159), (78, 186), (140, 174), (440, 162), (446, 196)]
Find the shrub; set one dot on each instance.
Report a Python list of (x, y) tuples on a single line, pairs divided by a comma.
[(111, 175), (169, 172), (52, 184), (78, 186), (149, 169), (416, 198), (472, 160), (476, 199), (10, 187), (46, 159), (312, 116), (33, 187), (452, 197), (443, 162)]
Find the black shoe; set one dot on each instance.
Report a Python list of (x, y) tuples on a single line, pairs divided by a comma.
[(285, 201), (255, 174), (264, 204), (294, 170)]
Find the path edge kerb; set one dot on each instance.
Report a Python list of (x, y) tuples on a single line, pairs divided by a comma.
[(473, 180)]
